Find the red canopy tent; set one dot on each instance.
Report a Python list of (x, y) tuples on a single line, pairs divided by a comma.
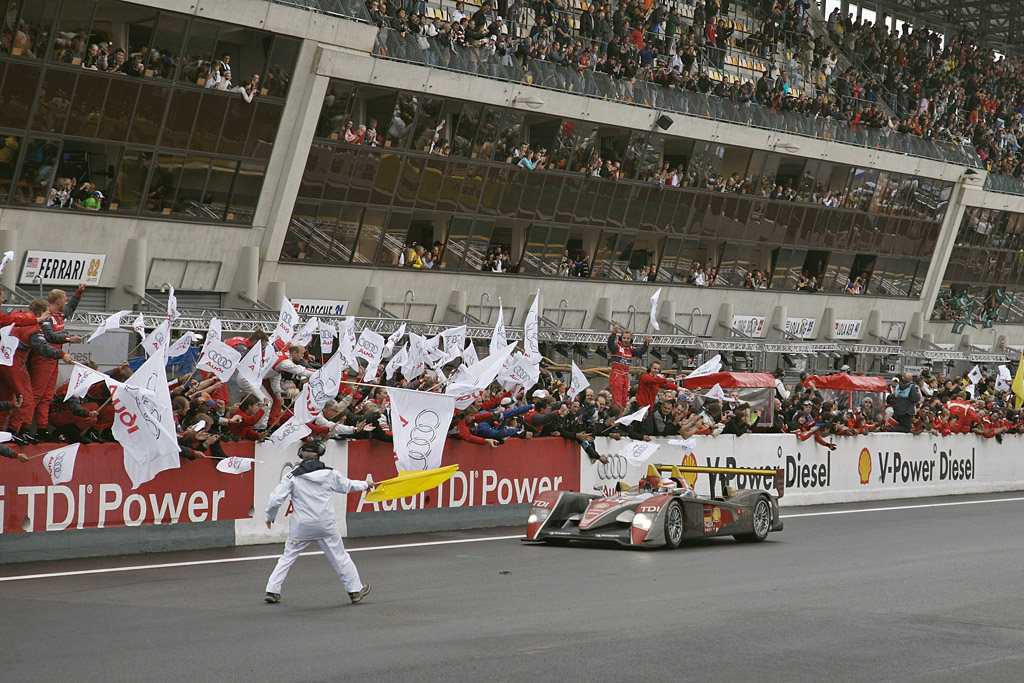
[(849, 391), (755, 388)]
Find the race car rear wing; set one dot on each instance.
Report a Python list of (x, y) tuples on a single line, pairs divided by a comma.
[(676, 472)]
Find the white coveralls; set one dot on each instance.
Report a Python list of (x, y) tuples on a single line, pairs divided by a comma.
[(313, 519)]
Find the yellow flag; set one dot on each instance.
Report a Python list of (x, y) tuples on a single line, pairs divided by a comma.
[(410, 483), (1018, 383)]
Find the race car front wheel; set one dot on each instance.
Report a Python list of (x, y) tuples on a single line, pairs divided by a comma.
[(674, 524), (762, 522)]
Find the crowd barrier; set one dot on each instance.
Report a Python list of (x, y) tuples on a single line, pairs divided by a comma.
[(493, 487)]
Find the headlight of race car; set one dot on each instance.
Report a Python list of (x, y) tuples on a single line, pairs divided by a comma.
[(642, 520), (538, 515)]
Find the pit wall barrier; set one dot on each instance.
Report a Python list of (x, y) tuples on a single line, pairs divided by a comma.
[(195, 506)]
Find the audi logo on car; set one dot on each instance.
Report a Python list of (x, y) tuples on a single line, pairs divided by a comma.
[(614, 469), (422, 435)]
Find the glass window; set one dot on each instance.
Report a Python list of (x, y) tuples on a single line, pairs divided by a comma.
[(19, 90), (209, 122), (265, 122), (476, 250), (837, 274), (534, 183), (429, 125), (345, 233), (394, 242), (130, 187), (54, 98), (336, 112), (318, 164), (280, 66), (488, 134), (558, 237), (451, 183), (469, 198), (86, 106), (198, 57), (430, 184), (409, 181), (605, 253), (459, 231), (400, 125), (149, 114), (163, 183), (533, 249), (466, 124), (589, 187), (617, 209), (37, 171), (27, 27), (117, 113), (85, 165), (166, 46), (494, 185), (73, 45), (567, 198), (218, 189), (511, 132), (191, 186), (245, 193), (387, 176), (366, 163), (369, 236), (9, 150), (305, 238), (180, 118), (241, 53), (236, 127)]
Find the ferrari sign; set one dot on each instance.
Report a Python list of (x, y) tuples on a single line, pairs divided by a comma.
[(62, 268)]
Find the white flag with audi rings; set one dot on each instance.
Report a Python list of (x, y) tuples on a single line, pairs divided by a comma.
[(220, 359), (419, 423)]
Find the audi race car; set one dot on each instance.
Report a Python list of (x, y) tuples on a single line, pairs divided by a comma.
[(663, 510)]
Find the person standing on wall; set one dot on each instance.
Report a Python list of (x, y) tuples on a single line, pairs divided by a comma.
[(42, 369), (620, 354), (905, 398), (312, 486)]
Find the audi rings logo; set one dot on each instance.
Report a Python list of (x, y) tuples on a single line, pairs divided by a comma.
[(422, 435), (614, 469), (56, 465), (219, 359)]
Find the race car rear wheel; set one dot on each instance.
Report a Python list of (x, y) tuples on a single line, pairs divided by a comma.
[(673, 524), (761, 518)]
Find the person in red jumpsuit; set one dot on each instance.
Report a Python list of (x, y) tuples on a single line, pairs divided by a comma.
[(620, 354), (30, 338), (43, 370)]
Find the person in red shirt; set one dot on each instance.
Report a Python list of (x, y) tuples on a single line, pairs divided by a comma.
[(651, 382), (15, 379), (42, 369), (250, 411)]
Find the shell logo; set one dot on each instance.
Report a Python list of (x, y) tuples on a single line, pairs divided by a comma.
[(716, 515), (864, 465), (690, 477)]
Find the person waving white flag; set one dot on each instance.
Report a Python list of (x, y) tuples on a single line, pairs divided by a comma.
[(499, 339), (578, 383), (396, 362), (454, 342), (396, 336), (8, 345), (111, 323), (419, 423), (654, 309), (158, 338), (60, 463), (469, 356), (290, 432), (638, 452), (370, 347), (181, 346), (81, 379), (8, 257), (235, 465), (633, 417), (287, 322), (323, 385), (144, 420), (250, 369), (220, 359)]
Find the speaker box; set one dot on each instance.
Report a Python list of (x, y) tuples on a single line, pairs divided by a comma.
[(664, 122)]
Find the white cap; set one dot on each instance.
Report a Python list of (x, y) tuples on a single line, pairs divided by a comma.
[(540, 393)]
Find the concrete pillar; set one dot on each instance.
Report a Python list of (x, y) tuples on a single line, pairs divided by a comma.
[(667, 315), (966, 341), (828, 323), (275, 293), (725, 318), (247, 278), (1001, 341), (372, 295), (915, 329), (927, 339), (529, 302), (133, 274), (778, 320), (603, 310), (9, 242), (458, 301), (873, 327)]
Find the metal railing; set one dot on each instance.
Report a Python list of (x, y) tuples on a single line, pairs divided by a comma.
[(414, 49), (349, 9), (1005, 184)]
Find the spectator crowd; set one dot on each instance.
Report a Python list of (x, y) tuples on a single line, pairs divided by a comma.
[(207, 412)]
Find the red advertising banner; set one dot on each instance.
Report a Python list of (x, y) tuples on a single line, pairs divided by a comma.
[(514, 472), (100, 493)]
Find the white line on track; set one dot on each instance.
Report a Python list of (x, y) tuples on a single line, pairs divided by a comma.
[(253, 558)]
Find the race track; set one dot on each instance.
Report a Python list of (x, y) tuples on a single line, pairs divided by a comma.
[(919, 590)]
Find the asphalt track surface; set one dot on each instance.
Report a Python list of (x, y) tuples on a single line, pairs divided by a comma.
[(915, 590)]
